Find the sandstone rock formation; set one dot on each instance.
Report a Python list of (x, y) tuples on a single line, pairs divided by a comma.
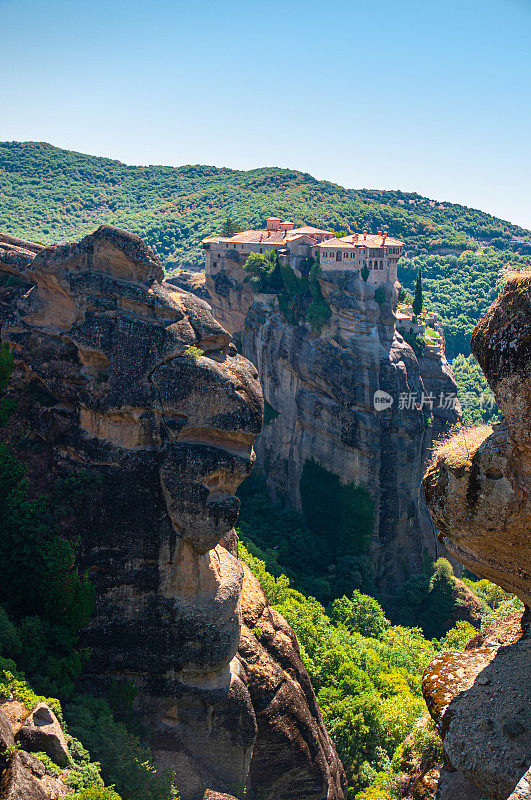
[(478, 490), (42, 733), (193, 282), (231, 296), (485, 689), (23, 776), (132, 380), (322, 388), (478, 487)]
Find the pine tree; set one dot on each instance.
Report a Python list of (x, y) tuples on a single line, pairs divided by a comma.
[(417, 301), (230, 228)]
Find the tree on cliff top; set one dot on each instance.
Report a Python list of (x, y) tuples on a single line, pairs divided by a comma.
[(230, 227), (417, 300), (265, 271)]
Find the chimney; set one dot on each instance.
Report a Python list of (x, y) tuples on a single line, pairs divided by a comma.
[(364, 235), (379, 233), (273, 223)]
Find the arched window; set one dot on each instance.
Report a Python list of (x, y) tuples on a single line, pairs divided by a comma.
[(338, 255), (370, 264)]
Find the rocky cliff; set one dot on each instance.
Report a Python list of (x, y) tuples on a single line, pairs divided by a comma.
[(478, 489), (322, 389), (132, 380)]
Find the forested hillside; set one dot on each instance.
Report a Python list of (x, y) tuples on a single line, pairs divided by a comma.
[(58, 194), (48, 194), (51, 195)]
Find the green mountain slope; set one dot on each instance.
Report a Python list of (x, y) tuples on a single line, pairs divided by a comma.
[(48, 194), (56, 193)]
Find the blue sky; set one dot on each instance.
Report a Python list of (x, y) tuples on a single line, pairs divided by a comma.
[(423, 95)]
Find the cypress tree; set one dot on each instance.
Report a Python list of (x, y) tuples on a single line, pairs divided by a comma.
[(417, 301)]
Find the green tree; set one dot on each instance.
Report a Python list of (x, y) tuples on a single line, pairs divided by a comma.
[(125, 760), (45, 599), (360, 613), (230, 227), (417, 300), (265, 271), (7, 406)]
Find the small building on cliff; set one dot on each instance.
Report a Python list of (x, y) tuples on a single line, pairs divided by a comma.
[(378, 253)]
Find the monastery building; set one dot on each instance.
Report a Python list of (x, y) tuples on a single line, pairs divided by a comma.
[(379, 253)]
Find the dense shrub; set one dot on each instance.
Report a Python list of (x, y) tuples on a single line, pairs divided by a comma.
[(416, 341), (379, 295), (368, 685), (496, 603), (42, 591), (360, 614), (96, 794), (83, 775), (7, 406), (477, 399), (44, 598), (427, 598), (264, 271), (318, 314)]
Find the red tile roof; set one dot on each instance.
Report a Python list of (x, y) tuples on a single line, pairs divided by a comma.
[(358, 240), (268, 237), (284, 237)]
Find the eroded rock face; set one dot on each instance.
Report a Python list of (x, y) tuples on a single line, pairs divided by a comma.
[(322, 388), (132, 380), (478, 489), (41, 733), (23, 776), (485, 689)]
